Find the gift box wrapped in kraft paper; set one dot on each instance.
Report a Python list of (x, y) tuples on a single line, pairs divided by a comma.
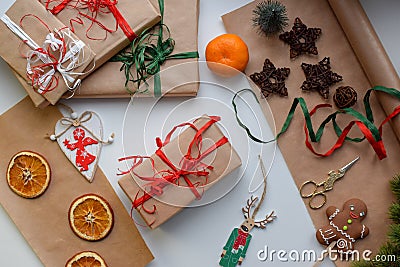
[(180, 171), (43, 221), (105, 26), (48, 57), (178, 77), (356, 53)]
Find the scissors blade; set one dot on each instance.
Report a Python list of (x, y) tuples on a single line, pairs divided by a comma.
[(348, 166)]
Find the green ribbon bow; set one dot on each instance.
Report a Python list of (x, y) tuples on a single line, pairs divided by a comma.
[(147, 58)]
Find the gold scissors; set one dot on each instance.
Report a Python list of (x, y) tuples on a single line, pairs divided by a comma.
[(327, 185)]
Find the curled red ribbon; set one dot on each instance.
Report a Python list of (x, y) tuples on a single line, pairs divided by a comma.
[(188, 165), (376, 145), (94, 7), (365, 123)]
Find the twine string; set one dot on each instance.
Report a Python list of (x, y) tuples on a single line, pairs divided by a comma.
[(264, 193), (78, 122)]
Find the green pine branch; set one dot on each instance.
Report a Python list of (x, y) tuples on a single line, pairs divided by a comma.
[(395, 186), (394, 234), (394, 213), (392, 246), (270, 17)]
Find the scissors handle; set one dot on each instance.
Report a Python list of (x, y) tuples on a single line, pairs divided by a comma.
[(308, 184), (314, 195), (316, 204)]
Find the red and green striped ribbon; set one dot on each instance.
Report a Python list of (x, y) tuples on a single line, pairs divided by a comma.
[(364, 122)]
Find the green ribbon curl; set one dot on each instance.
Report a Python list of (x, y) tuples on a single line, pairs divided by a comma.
[(146, 57), (367, 119)]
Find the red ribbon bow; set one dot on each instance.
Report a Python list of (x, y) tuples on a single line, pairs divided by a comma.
[(94, 7), (188, 165)]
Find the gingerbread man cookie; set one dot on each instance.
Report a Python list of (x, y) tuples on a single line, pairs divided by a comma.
[(345, 226)]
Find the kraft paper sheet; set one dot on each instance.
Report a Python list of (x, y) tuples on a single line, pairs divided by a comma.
[(370, 52), (44, 221), (224, 160), (369, 178)]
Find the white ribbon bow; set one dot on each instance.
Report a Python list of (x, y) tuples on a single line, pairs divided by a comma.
[(70, 52)]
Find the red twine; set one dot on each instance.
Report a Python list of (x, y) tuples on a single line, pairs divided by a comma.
[(188, 165), (93, 9)]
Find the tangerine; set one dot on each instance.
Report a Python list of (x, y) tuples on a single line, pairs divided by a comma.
[(227, 54), (28, 174)]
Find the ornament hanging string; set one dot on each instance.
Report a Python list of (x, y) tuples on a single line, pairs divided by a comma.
[(75, 121), (146, 58), (364, 122), (93, 9), (189, 165), (264, 193)]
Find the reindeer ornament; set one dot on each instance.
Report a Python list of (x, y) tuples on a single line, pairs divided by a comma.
[(235, 248)]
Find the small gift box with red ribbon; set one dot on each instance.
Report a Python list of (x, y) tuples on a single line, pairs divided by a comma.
[(180, 171), (107, 26), (44, 52)]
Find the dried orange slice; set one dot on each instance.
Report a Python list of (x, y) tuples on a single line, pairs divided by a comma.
[(86, 259), (91, 217), (28, 174)]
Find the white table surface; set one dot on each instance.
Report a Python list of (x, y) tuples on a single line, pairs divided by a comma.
[(195, 237)]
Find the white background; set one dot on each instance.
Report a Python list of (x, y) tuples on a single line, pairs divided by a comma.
[(195, 237)]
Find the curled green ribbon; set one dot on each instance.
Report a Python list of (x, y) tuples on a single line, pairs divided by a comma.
[(146, 57), (367, 119)]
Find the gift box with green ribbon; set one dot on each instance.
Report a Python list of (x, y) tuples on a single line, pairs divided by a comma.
[(169, 48)]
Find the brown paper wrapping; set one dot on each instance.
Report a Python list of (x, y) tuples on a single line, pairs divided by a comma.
[(370, 52), (181, 80), (224, 160), (181, 17), (43, 221), (369, 178), (11, 47), (139, 14)]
